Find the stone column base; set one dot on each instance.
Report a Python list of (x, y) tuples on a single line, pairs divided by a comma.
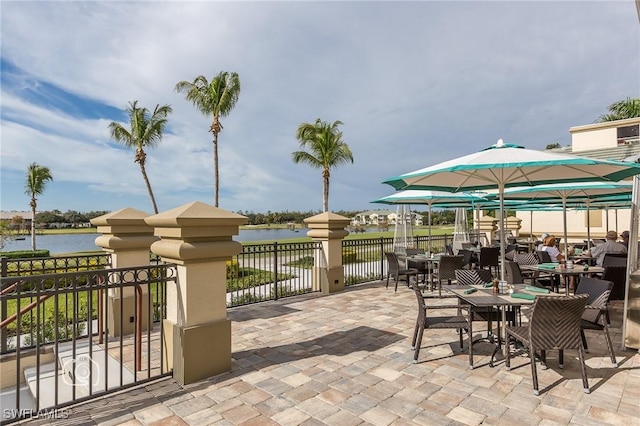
[(125, 309), (197, 352), (331, 279)]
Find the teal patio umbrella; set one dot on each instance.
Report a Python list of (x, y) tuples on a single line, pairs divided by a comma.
[(431, 199), (504, 166), (575, 192)]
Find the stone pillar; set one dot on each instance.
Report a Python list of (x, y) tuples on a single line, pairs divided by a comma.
[(197, 237), (513, 225), (488, 226), (328, 270), (127, 237)]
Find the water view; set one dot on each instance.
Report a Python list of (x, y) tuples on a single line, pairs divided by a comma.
[(66, 243)]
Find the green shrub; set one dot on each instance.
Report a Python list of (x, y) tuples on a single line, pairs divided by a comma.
[(233, 269), (24, 254), (349, 256)]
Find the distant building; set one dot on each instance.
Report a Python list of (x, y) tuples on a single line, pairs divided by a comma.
[(612, 140), (377, 217)]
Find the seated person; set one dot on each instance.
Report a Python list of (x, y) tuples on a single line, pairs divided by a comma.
[(625, 239), (549, 245), (609, 246), (542, 238)]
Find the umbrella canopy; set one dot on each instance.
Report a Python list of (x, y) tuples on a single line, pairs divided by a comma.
[(576, 191), (506, 165), (432, 199)]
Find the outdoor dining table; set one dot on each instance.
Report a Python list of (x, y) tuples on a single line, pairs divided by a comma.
[(478, 296), (563, 272), (423, 262), (585, 258)]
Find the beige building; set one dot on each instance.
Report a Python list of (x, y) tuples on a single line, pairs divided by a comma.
[(614, 140)]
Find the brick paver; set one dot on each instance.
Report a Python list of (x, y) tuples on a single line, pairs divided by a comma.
[(345, 359)]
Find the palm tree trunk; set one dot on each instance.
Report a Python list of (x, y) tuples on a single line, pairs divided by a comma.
[(33, 224), (146, 181), (215, 167), (325, 191)]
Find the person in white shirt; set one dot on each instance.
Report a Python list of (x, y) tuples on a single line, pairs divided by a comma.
[(609, 246), (542, 238), (550, 247)]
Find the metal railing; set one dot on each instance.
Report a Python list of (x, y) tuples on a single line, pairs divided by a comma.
[(62, 343), (58, 321), (43, 265), (364, 259), (270, 271)]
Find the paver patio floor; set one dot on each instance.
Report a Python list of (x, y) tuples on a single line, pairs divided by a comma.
[(345, 359)]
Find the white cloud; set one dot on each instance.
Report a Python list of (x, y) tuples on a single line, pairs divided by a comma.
[(415, 83)]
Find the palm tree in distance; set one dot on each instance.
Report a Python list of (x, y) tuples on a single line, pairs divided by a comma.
[(326, 151), (37, 178), (216, 98), (627, 108), (146, 131)]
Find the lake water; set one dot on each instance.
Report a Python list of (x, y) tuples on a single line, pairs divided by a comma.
[(66, 243)]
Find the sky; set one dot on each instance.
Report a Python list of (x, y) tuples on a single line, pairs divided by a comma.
[(414, 84)]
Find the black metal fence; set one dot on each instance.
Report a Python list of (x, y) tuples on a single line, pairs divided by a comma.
[(62, 349), (54, 323), (270, 271)]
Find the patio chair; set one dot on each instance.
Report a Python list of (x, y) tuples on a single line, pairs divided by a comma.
[(426, 320), (467, 258), (447, 270), (510, 251), (515, 275), (396, 271), (489, 257), (596, 314), (618, 276), (420, 266), (614, 259), (543, 256), (554, 323)]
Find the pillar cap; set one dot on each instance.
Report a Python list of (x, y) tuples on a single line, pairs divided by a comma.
[(126, 216), (198, 214), (327, 220), (125, 221)]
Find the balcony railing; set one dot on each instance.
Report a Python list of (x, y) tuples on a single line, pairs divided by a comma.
[(60, 347)]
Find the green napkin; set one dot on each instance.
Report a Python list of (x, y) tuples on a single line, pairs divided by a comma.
[(523, 296), (548, 265), (487, 285), (470, 290), (535, 289)]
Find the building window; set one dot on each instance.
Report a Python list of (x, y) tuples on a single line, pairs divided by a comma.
[(628, 134)]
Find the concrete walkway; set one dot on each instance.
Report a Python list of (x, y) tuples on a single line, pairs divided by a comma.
[(345, 359)]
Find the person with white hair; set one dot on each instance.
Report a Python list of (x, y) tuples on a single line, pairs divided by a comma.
[(609, 246)]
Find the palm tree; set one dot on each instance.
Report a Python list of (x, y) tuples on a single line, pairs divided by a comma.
[(37, 178), (146, 132), (628, 108), (326, 151), (216, 98)]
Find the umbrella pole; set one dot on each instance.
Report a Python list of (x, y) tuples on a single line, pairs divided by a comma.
[(588, 226), (429, 243), (501, 192), (531, 226), (564, 214), (606, 211)]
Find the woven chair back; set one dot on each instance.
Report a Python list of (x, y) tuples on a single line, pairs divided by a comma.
[(473, 276), (555, 322), (447, 267)]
